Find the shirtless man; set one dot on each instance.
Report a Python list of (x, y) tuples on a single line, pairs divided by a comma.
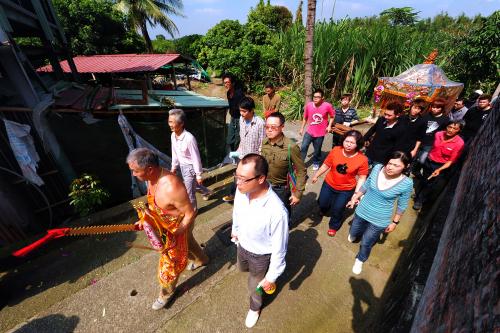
[(167, 220)]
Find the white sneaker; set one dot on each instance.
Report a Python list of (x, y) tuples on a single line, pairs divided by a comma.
[(161, 302), (357, 267), (252, 317), (350, 239), (158, 304)]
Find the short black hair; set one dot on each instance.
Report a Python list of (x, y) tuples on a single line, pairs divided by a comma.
[(395, 106), (483, 97), (278, 115), (229, 76), (247, 103), (460, 123), (460, 99), (357, 136), (346, 96), (269, 85), (319, 90), (261, 166), (398, 155)]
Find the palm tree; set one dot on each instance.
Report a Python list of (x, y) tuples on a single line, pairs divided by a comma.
[(308, 50), (142, 12)]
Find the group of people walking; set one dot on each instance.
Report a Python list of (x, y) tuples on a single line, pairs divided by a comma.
[(368, 173)]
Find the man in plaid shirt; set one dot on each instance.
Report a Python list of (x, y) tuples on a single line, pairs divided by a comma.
[(251, 128), (252, 133)]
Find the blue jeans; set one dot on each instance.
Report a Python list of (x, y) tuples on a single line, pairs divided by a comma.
[(317, 144), (370, 234), (334, 201)]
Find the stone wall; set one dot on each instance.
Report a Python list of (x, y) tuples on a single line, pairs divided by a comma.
[(461, 293)]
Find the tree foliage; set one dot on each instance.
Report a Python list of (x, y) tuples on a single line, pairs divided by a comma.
[(142, 13), (475, 56), (95, 27), (400, 16), (244, 50), (275, 18), (163, 45), (188, 45)]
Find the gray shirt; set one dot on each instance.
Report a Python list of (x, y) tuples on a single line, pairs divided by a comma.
[(456, 115)]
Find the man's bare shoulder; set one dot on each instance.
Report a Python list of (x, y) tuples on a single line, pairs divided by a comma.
[(170, 183)]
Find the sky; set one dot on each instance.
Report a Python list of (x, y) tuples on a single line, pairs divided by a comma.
[(201, 15)]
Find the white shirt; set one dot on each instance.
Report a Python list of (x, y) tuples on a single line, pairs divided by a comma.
[(185, 151), (261, 226)]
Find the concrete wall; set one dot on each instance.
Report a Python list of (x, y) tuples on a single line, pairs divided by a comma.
[(461, 293)]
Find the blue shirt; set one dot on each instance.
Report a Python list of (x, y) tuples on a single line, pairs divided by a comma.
[(377, 205)]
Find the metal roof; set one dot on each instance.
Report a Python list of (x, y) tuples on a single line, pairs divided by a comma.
[(183, 99), (118, 63)]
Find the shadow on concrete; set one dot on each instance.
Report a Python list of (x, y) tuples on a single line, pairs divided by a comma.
[(220, 251), (362, 292), (62, 260), (303, 253), (307, 208), (50, 324)]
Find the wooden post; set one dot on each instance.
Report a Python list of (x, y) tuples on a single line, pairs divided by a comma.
[(187, 74), (173, 75)]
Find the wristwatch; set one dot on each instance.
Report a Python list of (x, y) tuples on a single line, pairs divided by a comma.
[(395, 222)]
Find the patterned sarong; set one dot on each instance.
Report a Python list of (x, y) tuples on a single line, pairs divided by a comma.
[(174, 255)]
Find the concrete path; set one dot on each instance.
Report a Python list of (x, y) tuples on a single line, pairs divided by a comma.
[(317, 293)]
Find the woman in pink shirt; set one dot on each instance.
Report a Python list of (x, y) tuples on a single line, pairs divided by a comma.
[(446, 150)]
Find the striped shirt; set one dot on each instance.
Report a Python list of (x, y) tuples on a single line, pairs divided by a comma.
[(377, 205), (349, 116)]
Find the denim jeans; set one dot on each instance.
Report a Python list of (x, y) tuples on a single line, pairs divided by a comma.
[(333, 201), (317, 144), (370, 234)]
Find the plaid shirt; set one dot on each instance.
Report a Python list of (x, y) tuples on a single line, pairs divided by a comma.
[(251, 135)]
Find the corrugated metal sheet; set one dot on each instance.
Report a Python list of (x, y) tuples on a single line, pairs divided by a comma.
[(117, 63)]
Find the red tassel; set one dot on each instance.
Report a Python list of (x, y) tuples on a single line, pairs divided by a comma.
[(51, 234)]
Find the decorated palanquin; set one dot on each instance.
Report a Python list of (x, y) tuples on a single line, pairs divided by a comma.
[(425, 81), (160, 229)]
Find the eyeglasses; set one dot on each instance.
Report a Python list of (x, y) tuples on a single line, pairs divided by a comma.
[(317, 96), (239, 179), (272, 127)]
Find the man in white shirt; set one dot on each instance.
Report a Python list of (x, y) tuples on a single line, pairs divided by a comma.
[(185, 154), (260, 228)]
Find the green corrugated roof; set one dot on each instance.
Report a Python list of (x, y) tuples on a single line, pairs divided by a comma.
[(183, 99)]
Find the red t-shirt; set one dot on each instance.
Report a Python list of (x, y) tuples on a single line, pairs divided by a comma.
[(356, 166), (444, 151)]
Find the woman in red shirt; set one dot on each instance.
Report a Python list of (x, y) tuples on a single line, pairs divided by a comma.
[(345, 163), (446, 150)]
